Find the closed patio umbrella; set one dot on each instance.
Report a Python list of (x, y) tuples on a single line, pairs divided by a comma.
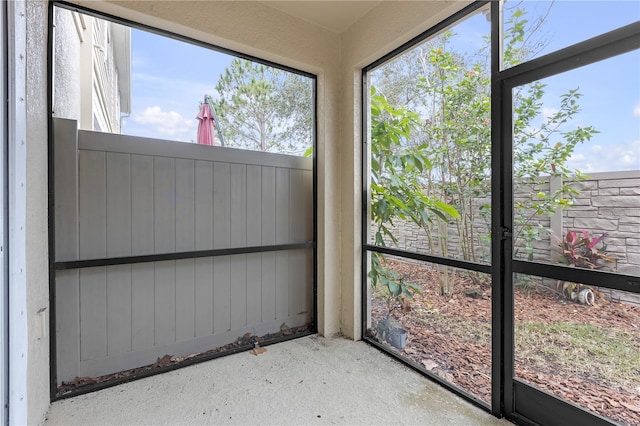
[(205, 127)]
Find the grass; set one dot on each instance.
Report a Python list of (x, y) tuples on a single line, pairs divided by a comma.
[(607, 355), (566, 348)]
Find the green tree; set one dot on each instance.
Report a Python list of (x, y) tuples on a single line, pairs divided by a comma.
[(452, 95), (265, 108)]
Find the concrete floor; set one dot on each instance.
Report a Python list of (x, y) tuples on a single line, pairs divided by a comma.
[(309, 381)]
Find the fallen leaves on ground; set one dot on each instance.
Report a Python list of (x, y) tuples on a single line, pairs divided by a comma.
[(246, 341)]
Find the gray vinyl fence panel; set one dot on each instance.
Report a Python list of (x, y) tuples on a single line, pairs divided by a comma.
[(121, 196)]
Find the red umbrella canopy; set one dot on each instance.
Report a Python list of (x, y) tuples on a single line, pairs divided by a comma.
[(205, 127)]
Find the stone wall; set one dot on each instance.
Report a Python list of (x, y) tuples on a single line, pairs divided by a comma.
[(607, 203), (610, 203)]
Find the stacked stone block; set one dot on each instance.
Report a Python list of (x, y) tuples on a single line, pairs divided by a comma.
[(607, 203)]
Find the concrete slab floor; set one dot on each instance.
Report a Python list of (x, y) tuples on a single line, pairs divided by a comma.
[(307, 381)]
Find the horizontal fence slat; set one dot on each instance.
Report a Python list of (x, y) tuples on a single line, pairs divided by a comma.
[(99, 141)]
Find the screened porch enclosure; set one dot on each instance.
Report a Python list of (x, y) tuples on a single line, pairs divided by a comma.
[(166, 248)]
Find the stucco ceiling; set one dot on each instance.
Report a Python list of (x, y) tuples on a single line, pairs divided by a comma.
[(335, 16)]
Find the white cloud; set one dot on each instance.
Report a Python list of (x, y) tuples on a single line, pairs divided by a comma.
[(580, 162), (636, 111), (167, 123), (548, 112), (609, 158)]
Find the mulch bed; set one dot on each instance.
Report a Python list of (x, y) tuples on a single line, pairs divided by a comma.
[(247, 342), (450, 337)]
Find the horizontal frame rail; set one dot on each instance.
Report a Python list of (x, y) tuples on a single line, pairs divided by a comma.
[(601, 279), (126, 260), (613, 43), (462, 264)]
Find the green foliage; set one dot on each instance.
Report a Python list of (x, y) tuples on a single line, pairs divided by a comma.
[(456, 136), (396, 167), (308, 152), (543, 151), (396, 191), (394, 282), (610, 355), (264, 108)]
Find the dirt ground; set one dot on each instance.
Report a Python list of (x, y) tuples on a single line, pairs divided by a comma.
[(451, 337)]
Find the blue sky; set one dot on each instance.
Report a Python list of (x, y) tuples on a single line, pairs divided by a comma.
[(171, 77), (610, 89)]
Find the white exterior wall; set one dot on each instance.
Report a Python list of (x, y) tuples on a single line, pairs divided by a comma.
[(17, 162), (28, 242), (36, 222), (67, 69)]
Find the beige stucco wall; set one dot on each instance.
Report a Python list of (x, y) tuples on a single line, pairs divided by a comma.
[(250, 27), (254, 29), (385, 28)]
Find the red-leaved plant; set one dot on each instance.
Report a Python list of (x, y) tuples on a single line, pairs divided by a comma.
[(580, 250)]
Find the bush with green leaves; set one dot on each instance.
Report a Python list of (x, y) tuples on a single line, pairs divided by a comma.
[(396, 192)]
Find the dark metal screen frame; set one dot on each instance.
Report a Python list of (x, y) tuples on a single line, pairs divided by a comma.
[(58, 266), (502, 267), (521, 401), (366, 247)]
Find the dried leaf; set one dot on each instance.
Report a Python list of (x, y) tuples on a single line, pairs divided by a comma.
[(429, 364), (258, 351), (612, 402), (631, 407), (164, 361)]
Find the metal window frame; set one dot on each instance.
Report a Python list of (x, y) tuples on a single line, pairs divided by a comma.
[(58, 266), (367, 247), (522, 401), (502, 267)]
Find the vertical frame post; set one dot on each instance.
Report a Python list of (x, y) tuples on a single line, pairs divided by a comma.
[(4, 228), (497, 187)]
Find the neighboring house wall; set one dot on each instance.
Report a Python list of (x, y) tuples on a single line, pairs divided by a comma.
[(92, 67)]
